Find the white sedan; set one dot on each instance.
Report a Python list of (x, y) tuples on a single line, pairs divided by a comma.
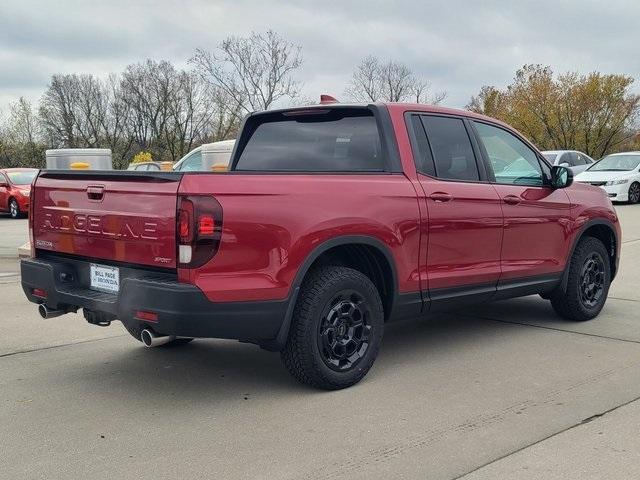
[(618, 174), (576, 161)]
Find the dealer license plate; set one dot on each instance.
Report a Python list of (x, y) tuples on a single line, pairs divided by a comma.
[(105, 279)]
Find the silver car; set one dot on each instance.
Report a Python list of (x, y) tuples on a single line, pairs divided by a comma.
[(576, 161)]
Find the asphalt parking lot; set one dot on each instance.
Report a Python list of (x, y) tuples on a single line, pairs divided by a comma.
[(506, 390)]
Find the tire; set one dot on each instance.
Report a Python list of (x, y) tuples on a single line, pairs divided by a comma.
[(588, 282), (14, 209), (337, 329), (134, 331), (634, 193)]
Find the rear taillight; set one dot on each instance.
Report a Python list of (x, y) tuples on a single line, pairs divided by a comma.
[(206, 225), (185, 221), (199, 229)]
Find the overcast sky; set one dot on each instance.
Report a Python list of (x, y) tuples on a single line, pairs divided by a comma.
[(457, 45)]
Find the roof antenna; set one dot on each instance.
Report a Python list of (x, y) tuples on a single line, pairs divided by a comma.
[(327, 99)]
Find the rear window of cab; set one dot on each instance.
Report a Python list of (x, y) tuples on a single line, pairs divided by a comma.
[(332, 140)]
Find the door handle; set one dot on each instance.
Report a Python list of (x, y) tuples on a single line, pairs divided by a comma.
[(441, 197), (95, 192), (511, 200)]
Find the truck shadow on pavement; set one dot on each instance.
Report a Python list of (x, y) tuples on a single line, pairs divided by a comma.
[(526, 310), (217, 370)]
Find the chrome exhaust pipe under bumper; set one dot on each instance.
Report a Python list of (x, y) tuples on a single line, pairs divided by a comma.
[(46, 312), (151, 339)]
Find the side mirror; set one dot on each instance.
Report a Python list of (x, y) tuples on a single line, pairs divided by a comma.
[(564, 164), (3, 184), (561, 177)]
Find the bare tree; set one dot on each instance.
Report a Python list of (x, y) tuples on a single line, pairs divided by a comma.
[(254, 72), (74, 109), (23, 126), (85, 111), (151, 106), (20, 137), (226, 116), (57, 111), (149, 88), (172, 110), (115, 124), (190, 114), (365, 84), (374, 81)]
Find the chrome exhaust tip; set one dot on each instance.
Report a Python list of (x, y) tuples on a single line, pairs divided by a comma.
[(46, 312), (150, 339)]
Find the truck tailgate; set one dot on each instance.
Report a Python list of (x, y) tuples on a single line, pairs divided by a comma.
[(116, 216)]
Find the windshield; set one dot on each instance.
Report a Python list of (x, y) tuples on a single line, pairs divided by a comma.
[(551, 157), (616, 163), (22, 178)]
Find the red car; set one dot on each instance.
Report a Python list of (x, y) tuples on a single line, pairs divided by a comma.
[(15, 188), (333, 220)]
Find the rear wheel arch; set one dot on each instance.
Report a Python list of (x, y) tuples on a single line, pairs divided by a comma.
[(368, 255)]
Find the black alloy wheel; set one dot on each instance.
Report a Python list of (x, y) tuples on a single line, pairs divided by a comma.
[(592, 280), (345, 330)]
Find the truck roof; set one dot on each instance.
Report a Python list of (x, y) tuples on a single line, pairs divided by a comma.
[(391, 106)]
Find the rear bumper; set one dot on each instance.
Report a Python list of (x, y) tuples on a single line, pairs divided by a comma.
[(181, 309)]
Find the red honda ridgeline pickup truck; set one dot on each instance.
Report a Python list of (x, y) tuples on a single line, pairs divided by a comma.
[(332, 220)]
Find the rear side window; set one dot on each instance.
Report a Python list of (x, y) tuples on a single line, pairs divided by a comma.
[(423, 157), (330, 141), (451, 148)]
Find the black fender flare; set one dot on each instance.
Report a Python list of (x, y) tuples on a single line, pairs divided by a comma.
[(280, 340), (591, 223)]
